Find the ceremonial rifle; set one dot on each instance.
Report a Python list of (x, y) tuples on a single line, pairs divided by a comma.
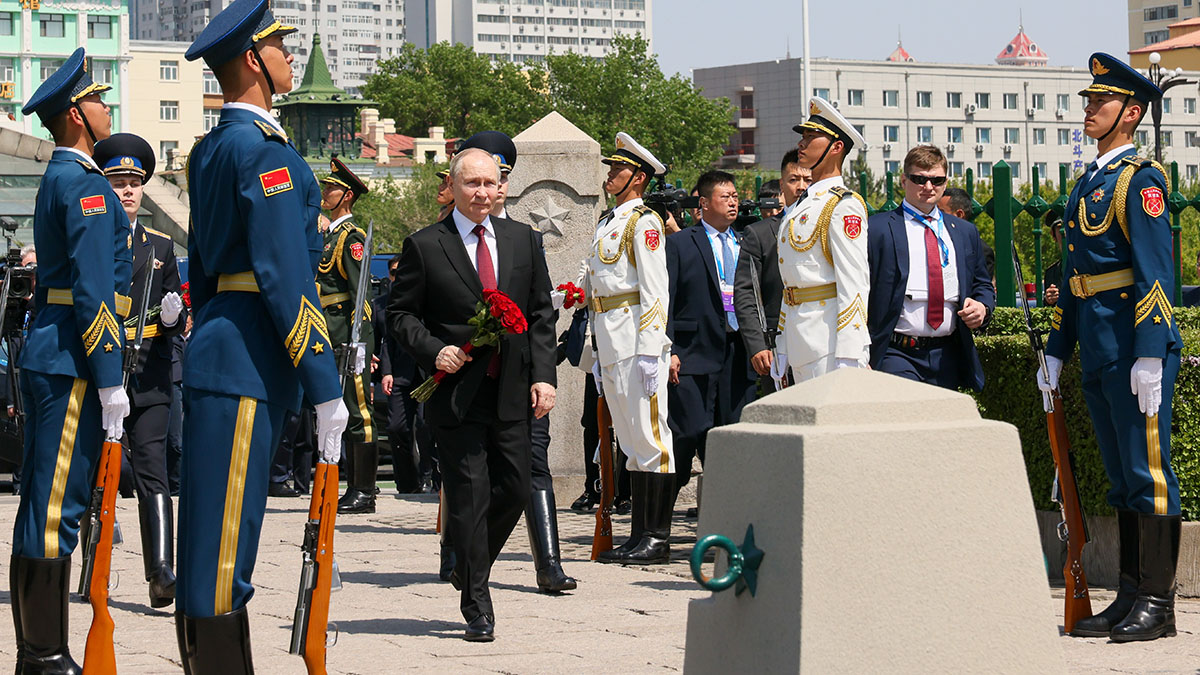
[(769, 334), (602, 538), (1073, 528), (99, 657), (346, 352)]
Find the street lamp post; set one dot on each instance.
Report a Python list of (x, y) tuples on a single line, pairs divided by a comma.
[(1163, 81)]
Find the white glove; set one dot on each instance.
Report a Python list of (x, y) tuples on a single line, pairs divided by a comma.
[(358, 351), (172, 306), (779, 369), (1048, 382), (839, 363), (648, 365), (332, 417), (1145, 382), (114, 404), (557, 298), (596, 376)]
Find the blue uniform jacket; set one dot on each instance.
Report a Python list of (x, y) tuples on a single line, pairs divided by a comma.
[(887, 256), (1133, 321), (83, 243), (255, 204)]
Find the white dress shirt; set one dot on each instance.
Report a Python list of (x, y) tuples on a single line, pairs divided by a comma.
[(82, 155), (267, 117), (337, 222), (914, 316), (714, 241), (1108, 157), (470, 240)]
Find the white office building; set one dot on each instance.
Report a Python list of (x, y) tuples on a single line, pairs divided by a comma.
[(524, 31)]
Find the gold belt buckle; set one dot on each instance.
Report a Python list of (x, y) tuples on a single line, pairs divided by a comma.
[(789, 296), (597, 306), (1079, 286)]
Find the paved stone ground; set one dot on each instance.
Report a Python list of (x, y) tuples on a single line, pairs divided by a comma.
[(394, 615)]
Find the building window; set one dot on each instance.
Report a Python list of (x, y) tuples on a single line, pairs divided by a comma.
[(99, 27), (861, 129), (1155, 36), (7, 70), (1065, 165), (168, 70), (983, 170), (167, 151), (1143, 137), (49, 66), (1064, 102), (924, 134), (1166, 139), (983, 100), (823, 92), (52, 25), (1010, 101), (1166, 105), (1191, 139), (956, 169), (924, 99), (1064, 136), (1016, 169), (102, 72), (1193, 172), (1037, 101), (1039, 136), (891, 133), (892, 166), (854, 97), (891, 98), (954, 99), (212, 117), (1160, 13), (983, 135), (1012, 135), (954, 135), (1041, 169), (6, 23), (168, 111), (1189, 106), (211, 86)]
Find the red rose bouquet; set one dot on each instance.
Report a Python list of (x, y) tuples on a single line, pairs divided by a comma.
[(572, 295), (497, 315), (187, 294)]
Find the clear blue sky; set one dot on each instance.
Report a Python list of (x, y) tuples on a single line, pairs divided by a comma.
[(704, 33)]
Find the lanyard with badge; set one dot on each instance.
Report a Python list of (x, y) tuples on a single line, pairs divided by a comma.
[(921, 218), (726, 287)]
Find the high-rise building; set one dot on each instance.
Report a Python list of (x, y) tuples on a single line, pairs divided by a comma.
[(524, 31), (355, 34), (1148, 19)]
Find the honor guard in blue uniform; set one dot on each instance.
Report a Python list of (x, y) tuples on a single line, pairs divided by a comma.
[(71, 364), (1114, 304), (128, 162), (337, 280), (258, 339)]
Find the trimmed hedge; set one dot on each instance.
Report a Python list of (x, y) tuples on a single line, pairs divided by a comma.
[(1011, 395)]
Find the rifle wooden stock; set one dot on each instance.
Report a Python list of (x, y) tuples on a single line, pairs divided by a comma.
[(99, 657), (1078, 602), (322, 511), (602, 539)]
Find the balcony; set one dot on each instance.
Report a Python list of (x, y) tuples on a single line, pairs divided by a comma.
[(747, 119), (742, 154)]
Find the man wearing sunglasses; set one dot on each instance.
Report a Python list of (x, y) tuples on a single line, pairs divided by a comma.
[(930, 286)]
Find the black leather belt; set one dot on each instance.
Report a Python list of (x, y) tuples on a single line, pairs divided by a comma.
[(913, 342)]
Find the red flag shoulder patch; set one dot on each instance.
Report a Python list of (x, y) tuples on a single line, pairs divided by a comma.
[(1152, 202), (93, 205), (274, 182), (653, 239), (853, 226), (356, 251)]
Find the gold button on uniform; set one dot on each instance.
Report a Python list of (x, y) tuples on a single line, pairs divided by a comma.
[(1070, 247), (1124, 296), (1070, 223)]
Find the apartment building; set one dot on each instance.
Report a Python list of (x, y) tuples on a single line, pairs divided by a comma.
[(1149, 19)]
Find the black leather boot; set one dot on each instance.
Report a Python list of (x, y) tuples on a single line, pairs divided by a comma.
[(41, 586), (14, 596), (1100, 625), (360, 495), (541, 520), (1153, 613), (655, 546), (215, 645), (158, 548), (637, 523)]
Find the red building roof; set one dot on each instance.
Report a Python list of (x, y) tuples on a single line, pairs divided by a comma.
[(900, 54), (1022, 51)]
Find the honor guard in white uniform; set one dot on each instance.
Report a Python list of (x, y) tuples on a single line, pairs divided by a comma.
[(823, 257), (627, 291)]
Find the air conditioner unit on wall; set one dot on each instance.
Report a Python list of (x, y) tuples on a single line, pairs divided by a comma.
[(950, 148), (1060, 113), (887, 147), (970, 108), (1006, 148), (979, 147), (1029, 112)]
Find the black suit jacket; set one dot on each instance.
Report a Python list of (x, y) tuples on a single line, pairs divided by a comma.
[(887, 256), (760, 253), (435, 294), (152, 382)]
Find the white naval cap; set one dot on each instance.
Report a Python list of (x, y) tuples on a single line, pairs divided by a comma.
[(632, 153), (823, 117)]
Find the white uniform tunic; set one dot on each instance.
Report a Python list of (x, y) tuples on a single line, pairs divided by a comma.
[(627, 296), (823, 264)]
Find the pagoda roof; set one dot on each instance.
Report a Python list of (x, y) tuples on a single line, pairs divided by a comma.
[(900, 55), (317, 85), (1022, 51)]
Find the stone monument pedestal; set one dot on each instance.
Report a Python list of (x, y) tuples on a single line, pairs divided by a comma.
[(898, 530)]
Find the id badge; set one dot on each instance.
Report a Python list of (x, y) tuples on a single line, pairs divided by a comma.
[(727, 296)]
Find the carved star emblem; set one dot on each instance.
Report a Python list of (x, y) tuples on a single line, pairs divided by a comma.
[(550, 218), (108, 346), (1157, 319), (318, 347)]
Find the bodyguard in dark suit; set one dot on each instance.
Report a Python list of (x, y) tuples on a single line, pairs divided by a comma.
[(929, 284), (399, 376), (480, 413), (759, 258), (710, 373)]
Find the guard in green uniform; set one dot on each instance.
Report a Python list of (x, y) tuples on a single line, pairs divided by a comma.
[(337, 281)]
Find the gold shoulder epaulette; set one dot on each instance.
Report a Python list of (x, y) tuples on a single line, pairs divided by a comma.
[(88, 167), (150, 230), (270, 131)]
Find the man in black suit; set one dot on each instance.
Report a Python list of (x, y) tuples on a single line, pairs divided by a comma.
[(480, 414), (399, 375), (711, 380), (759, 259), (929, 283)]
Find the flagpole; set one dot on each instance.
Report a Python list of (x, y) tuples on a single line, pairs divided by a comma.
[(806, 77)]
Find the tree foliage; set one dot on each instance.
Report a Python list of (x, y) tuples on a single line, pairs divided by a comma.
[(399, 209)]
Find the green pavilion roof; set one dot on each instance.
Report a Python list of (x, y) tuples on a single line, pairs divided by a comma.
[(317, 87)]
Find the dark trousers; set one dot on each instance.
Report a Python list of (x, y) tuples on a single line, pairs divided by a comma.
[(539, 466), (402, 418), (146, 435), (485, 466), (939, 366), (297, 448), (591, 438), (175, 438)]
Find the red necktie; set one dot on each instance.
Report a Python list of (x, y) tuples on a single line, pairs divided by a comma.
[(933, 265), (487, 277)]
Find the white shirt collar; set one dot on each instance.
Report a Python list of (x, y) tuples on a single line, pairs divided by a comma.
[(712, 231), (1107, 158), (503, 213), (625, 207), (936, 213), (465, 226), (86, 157), (268, 117), (337, 222), (825, 183)]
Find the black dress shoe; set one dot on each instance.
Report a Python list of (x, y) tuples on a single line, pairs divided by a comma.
[(285, 489), (623, 506), (586, 502), (481, 629), (692, 512), (356, 501)]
